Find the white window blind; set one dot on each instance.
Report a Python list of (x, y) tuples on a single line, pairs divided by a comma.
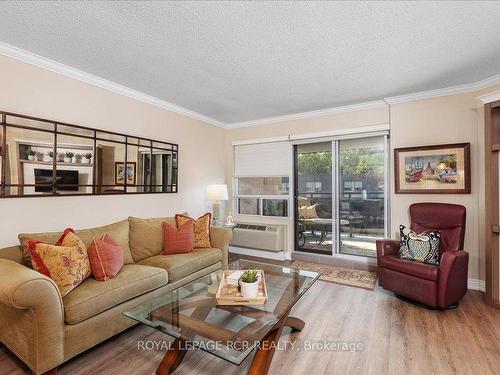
[(263, 159)]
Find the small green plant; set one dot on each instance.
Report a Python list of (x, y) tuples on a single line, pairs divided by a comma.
[(31, 152), (51, 154), (250, 276), (70, 154), (87, 156)]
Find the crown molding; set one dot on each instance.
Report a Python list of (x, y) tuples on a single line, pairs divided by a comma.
[(488, 98), (460, 89), (309, 114), (56, 67)]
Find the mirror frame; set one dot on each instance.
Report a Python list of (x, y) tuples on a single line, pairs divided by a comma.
[(144, 143)]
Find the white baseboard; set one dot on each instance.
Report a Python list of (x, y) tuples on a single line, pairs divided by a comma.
[(275, 255), (476, 284)]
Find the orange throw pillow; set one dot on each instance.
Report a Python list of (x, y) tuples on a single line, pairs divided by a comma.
[(201, 229), (66, 262), (178, 240), (106, 258)]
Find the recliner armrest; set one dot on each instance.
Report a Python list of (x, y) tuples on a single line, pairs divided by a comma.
[(452, 277), (31, 311), (387, 247)]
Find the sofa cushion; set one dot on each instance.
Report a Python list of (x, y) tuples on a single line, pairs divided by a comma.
[(421, 270), (146, 236), (119, 231), (93, 297), (182, 265)]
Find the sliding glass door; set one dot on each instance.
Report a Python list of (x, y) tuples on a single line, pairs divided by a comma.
[(313, 197), (341, 195)]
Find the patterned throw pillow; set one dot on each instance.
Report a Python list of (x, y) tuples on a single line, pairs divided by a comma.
[(178, 240), (308, 212), (66, 262), (106, 258), (419, 247), (201, 229)]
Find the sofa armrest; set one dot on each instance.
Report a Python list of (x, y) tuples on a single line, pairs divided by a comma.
[(387, 247), (219, 238), (452, 277), (31, 316)]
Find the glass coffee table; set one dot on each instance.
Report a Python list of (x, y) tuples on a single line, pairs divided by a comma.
[(191, 315)]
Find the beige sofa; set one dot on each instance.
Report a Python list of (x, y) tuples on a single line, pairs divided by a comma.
[(44, 330)]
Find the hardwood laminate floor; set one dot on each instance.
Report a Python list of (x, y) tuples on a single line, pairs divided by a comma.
[(396, 337)]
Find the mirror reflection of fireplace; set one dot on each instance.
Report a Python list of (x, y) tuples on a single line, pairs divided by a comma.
[(65, 180)]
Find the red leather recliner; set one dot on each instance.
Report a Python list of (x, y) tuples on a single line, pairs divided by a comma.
[(436, 286)]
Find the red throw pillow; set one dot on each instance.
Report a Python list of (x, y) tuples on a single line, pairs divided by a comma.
[(178, 240), (106, 258)]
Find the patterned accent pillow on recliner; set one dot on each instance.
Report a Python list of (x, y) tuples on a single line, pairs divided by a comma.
[(422, 247)]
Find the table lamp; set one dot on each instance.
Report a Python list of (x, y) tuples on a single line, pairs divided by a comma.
[(217, 194)]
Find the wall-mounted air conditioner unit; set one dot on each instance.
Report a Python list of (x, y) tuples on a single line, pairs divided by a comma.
[(269, 237)]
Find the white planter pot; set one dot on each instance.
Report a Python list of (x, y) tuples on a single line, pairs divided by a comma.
[(249, 290), (85, 161), (68, 160), (31, 157)]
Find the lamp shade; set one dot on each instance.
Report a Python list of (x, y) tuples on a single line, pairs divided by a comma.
[(217, 192)]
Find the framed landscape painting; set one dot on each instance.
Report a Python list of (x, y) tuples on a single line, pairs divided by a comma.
[(440, 169), (120, 173)]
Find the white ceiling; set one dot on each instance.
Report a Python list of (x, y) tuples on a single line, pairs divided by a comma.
[(240, 61)]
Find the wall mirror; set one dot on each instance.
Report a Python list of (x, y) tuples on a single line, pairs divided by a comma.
[(40, 157)]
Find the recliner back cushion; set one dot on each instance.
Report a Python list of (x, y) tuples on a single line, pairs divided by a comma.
[(119, 231), (448, 219), (146, 236)]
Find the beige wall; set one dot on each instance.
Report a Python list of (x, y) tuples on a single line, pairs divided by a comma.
[(35, 91), (206, 151), (449, 119)]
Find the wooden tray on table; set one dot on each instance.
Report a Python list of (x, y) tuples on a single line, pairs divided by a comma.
[(228, 293)]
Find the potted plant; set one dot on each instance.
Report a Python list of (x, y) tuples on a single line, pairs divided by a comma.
[(31, 154), (86, 158), (249, 286), (78, 158), (39, 156), (69, 157), (60, 156), (50, 155)]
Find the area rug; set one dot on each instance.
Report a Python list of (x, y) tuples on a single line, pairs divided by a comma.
[(340, 275)]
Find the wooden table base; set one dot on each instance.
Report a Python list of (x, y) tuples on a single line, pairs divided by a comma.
[(265, 352), (261, 360), (173, 358)]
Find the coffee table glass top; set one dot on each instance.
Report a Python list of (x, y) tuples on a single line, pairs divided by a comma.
[(191, 312)]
